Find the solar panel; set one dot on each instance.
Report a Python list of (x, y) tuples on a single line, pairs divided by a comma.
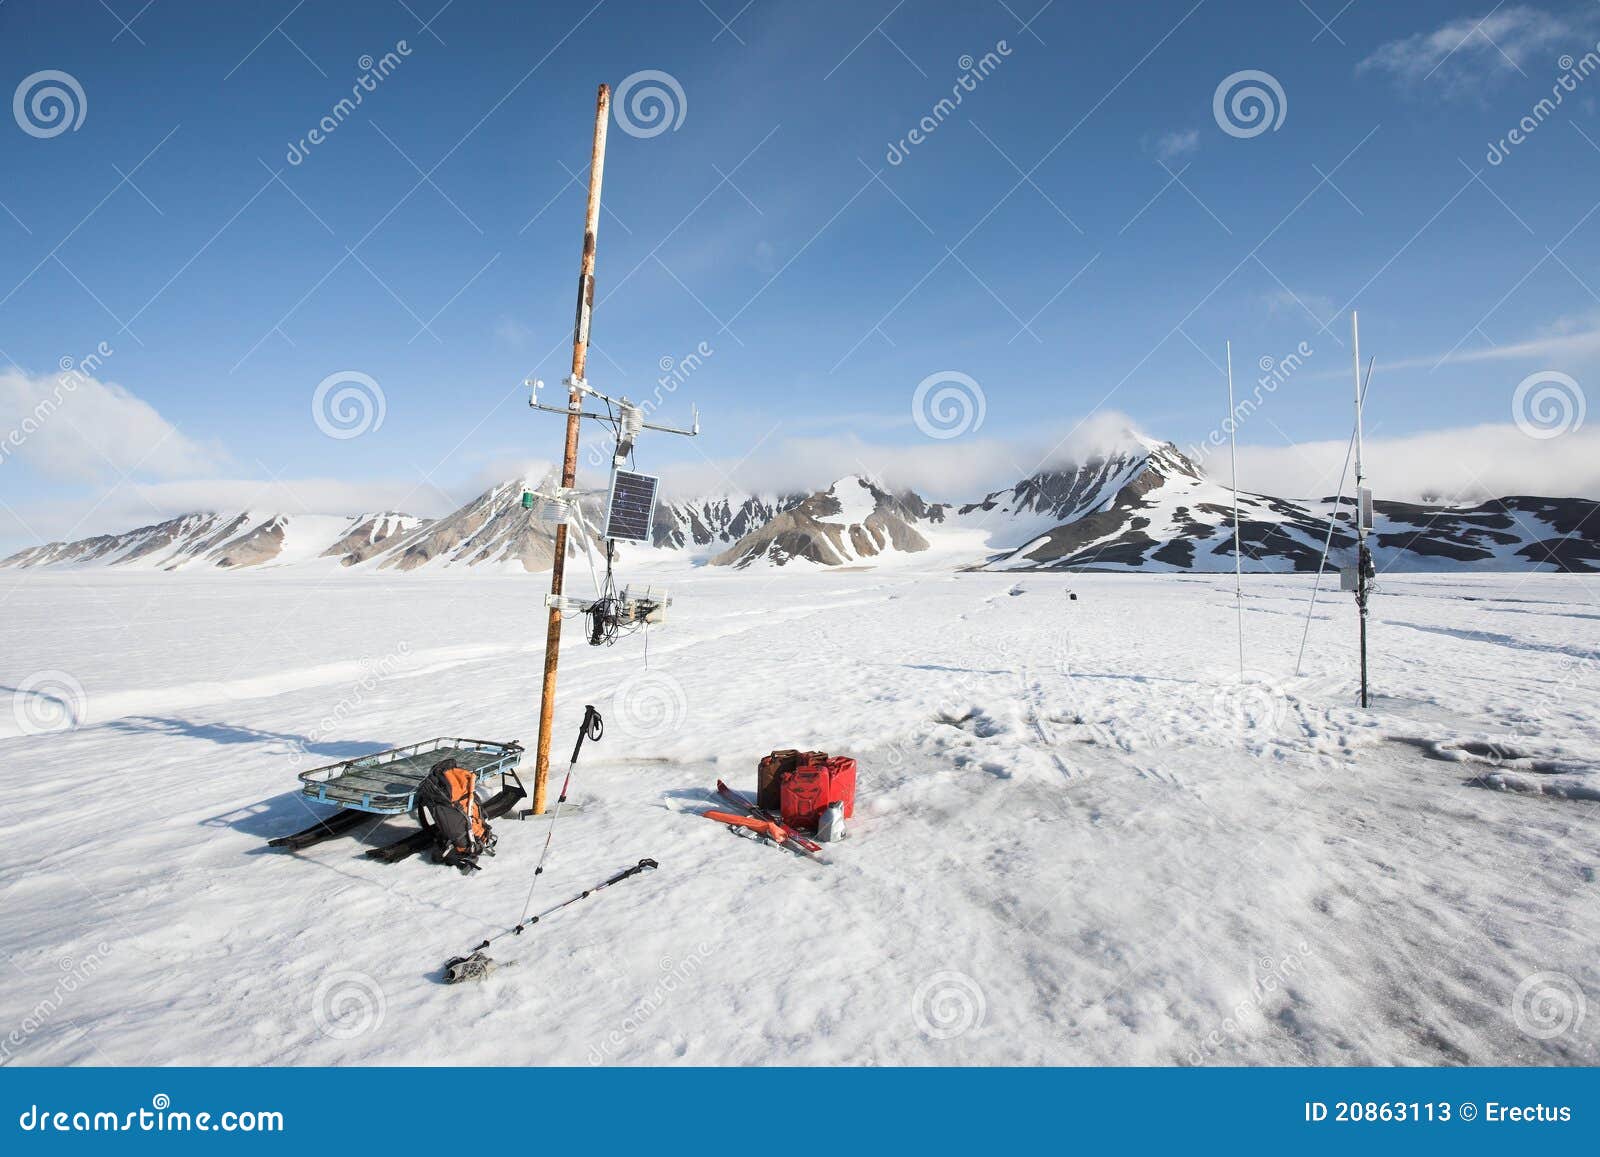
[(631, 508)]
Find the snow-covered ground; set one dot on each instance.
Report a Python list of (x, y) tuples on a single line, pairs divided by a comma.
[(1079, 839)]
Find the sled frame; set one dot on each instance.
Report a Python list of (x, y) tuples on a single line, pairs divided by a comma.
[(385, 783)]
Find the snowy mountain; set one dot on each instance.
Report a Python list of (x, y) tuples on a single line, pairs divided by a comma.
[(492, 528), (370, 535), (716, 521), (852, 520), (228, 541), (1151, 509), (1145, 507)]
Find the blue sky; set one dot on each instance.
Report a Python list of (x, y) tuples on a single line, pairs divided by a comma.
[(1079, 237)]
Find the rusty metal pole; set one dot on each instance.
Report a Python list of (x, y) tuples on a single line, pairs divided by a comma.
[(569, 463)]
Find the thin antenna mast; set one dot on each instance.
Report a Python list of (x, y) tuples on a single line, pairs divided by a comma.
[(569, 462), (1363, 509), (1238, 564)]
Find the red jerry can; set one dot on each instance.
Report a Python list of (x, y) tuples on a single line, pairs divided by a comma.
[(806, 790), (771, 769)]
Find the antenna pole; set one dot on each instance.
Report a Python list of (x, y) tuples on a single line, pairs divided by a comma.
[(1362, 556), (569, 462), (1233, 460)]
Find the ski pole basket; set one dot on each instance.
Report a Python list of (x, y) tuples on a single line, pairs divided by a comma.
[(385, 783)]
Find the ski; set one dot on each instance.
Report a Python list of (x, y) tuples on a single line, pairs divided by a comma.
[(324, 829), (402, 848), (789, 833)]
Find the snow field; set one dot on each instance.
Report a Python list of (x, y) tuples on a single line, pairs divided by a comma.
[(1079, 839)]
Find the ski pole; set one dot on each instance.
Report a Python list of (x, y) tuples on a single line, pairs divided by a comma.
[(478, 966), (592, 727), (516, 929)]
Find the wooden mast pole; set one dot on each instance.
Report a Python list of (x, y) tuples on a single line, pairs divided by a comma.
[(1362, 555), (569, 462)]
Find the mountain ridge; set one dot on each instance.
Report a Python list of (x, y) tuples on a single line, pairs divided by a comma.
[(1145, 507)]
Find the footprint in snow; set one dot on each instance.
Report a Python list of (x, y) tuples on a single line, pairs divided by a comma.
[(976, 722)]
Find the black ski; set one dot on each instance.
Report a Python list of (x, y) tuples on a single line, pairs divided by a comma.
[(324, 829), (734, 797)]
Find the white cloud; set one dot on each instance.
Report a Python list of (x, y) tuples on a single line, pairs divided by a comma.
[(957, 469), (1466, 465), (1178, 144), (1298, 305), (77, 428), (1569, 344), (1468, 50), (512, 332), (128, 505)]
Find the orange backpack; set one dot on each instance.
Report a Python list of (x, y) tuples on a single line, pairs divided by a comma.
[(447, 804)]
